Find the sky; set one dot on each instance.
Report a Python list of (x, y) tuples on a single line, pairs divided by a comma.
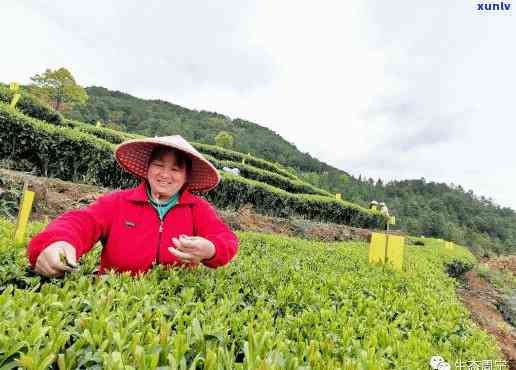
[(382, 89)]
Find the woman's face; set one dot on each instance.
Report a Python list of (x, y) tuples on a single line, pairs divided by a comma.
[(165, 176)]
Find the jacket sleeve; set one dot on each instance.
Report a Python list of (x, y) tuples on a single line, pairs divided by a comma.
[(209, 225), (81, 228)]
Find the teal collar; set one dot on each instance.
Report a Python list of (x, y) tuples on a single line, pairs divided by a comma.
[(162, 208)]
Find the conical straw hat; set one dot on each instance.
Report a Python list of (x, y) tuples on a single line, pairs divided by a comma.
[(133, 156)]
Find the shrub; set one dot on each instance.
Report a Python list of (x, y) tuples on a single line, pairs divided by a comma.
[(72, 155), (271, 178), (32, 106), (283, 303)]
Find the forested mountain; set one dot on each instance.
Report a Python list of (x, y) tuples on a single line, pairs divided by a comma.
[(156, 117), (421, 207), (444, 211)]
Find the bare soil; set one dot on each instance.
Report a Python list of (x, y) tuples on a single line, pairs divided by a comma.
[(482, 300), (507, 263), (246, 219), (52, 196)]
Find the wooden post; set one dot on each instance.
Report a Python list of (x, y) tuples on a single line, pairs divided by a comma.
[(23, 214)]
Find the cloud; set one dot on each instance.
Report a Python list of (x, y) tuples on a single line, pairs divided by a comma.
[(407, 127), (157, 47)]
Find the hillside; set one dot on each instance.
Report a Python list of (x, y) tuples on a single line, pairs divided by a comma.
[(55, 196), (51, 146), (156, 117), (283, 303), (421, 207), (444, 211)]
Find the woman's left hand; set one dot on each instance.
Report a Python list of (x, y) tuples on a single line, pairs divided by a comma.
[(192, 249)]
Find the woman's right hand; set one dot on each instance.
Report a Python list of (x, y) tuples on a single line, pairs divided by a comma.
[(56, 259)]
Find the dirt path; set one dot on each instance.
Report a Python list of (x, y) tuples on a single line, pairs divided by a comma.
[(52, 196), (482, 301)]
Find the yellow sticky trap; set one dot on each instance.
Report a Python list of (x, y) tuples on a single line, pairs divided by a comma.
[(448, 245), (14, 86), (395, 247), (338, 196), (23, 215), (15, 99), (98, 124), (392, 220), (387, 248), (378, 248)]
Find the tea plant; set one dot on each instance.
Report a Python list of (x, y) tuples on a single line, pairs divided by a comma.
[(283, 303)]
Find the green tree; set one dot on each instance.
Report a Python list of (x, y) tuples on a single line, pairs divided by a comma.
[(59, 88), (224, 139)]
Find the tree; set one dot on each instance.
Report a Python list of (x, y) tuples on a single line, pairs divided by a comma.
[(58, 88), (344, 180), (224, 139)]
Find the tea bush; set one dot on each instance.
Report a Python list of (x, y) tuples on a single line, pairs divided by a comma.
[(283, 303)]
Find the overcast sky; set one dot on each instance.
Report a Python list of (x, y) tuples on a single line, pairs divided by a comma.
[(386, 89)]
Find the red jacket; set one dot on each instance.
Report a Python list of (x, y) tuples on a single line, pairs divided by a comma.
[(129, 228)]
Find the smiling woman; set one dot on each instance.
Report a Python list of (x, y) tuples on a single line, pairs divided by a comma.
[(167, 172), (158, 222)]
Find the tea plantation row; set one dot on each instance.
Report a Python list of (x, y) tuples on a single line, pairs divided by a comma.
[(283, 303)]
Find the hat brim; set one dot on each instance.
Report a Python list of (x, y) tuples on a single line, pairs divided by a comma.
[(133, 156)]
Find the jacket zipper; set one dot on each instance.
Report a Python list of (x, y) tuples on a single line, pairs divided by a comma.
[(159, 240)]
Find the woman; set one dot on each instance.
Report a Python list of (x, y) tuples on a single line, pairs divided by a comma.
[(157, 222)]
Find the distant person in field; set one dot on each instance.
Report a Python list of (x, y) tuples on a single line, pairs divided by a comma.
[(157, 222), (383, 209), (373, 205)]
